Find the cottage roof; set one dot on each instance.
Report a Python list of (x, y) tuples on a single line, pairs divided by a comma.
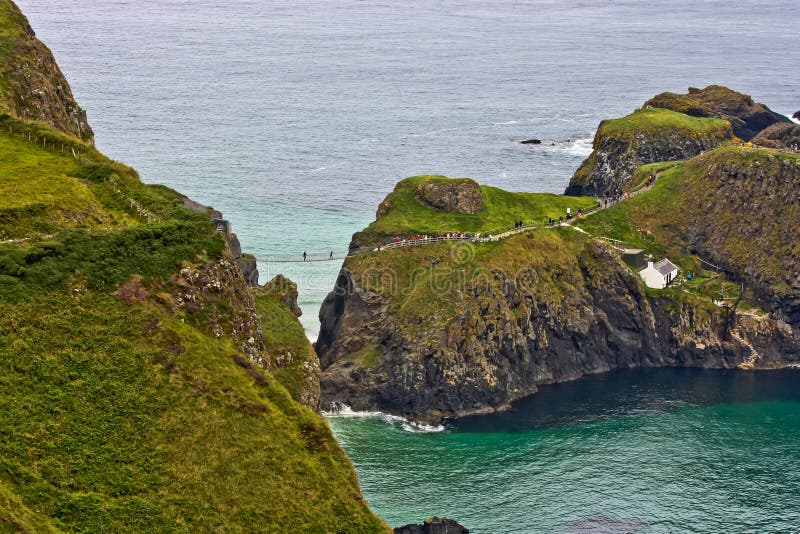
[(665, 266)]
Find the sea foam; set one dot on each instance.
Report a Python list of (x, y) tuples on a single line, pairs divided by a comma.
[(340, 409)]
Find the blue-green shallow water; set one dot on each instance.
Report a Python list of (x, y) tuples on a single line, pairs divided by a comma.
[(631, 451)]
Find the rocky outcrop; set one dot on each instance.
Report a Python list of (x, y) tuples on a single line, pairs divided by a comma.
[(288, 352), (784, 135), (433, 332), (286, 290), (615, 156), (621, 145), (497, 335), (434, 525), (454, 196), (747, 118), (246, 262), (32, 85), (215, 296)]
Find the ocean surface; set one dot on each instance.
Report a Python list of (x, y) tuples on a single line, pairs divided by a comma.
[(653, 451), (295, 118)]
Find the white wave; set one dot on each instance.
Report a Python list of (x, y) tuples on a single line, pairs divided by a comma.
[(341, 409), (506, 123), (579, 147), (317, 169)]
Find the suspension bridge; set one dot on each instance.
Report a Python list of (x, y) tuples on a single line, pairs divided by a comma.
[(463, 237)]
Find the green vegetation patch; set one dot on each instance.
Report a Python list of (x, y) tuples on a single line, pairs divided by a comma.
[(286, 343), (427, 287), (123, 418), (657, 118), (404, 216), (643, 172)]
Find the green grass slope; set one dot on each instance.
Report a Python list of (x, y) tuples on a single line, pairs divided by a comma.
[(648, 119), (293, 361), (122, 407), (735, 206), (403, 215)]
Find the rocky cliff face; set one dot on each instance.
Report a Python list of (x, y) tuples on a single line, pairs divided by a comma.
[(784, 135), (566, 306), (646, 136), (31, 84), (740, 209), (615, 157), (747, 118), (289, 354)]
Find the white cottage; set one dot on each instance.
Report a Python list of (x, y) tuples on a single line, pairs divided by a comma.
[(660, 274)]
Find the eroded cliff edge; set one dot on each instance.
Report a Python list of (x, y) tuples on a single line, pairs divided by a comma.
[(448, 329), (671, 127), (32, 85)]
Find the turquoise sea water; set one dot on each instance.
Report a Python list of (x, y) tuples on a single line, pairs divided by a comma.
[(631, 451), (295, 118)]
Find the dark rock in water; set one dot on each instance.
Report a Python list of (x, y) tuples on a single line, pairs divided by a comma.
[(796, 115), (453, 196), (434, 525), (531, 142)]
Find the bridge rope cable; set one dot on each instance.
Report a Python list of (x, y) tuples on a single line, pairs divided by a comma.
[(466, 237)]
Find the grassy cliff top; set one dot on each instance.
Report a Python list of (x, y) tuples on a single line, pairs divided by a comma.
[(401, 214), (656, 118)]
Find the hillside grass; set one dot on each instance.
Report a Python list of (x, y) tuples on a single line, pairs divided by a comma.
[(284, 335), (132, 415), (122, 418), (428, 285), (685, 198), (406, 217), (11, 24), (658, 118), (643, 172)]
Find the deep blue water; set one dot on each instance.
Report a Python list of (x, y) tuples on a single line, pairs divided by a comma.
[(296, 118)]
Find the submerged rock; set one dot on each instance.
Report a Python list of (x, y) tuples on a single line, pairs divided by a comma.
[(531, 142), (434, 525)]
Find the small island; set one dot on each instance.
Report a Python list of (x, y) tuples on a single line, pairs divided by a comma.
[(441, 329)]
